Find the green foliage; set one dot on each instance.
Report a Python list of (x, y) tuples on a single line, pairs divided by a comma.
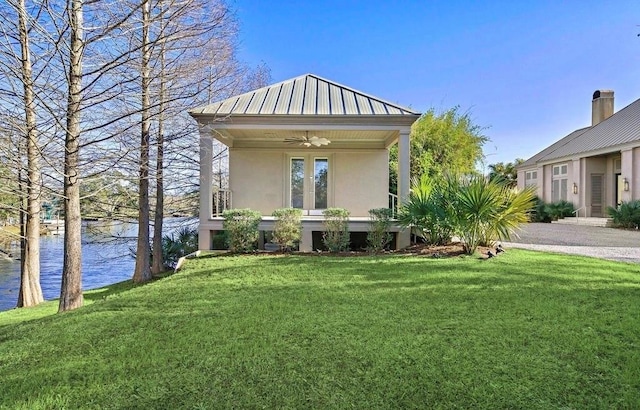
[(287, 228), (539, 213), (488, 210), (430, 209), (626, 215), (379, 236), (241, 226), (219, 240), (476, 209), (9, 197), (517, 332), (446, 143), (505, 172), (336, 233), (108, 195), (547, 212), (175, 246)]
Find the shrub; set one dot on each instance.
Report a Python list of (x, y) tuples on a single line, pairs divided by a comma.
[(430, 209), (241, 226), (287, 227), (379, 236), (540, 211), (559, 210), (175, 246), (626, 215), (336, 234), (547, 212)]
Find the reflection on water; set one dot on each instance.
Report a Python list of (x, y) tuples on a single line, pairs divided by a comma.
[(106, 259)]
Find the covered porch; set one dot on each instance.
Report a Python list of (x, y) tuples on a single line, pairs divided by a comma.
[(305, 143)]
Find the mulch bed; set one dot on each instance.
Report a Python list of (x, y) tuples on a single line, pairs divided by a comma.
[(431, 251)]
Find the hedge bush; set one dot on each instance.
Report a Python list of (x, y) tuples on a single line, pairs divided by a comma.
[(241, 226), (336, 234), (379, 237), (287, 227)]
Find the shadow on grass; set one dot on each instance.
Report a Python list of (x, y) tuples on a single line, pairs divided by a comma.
[(106, 291)]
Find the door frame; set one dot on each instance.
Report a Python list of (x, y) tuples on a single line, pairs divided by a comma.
[(308, 207)]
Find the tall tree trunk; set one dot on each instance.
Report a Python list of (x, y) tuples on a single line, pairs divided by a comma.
[(158, 262), (30, 291), (142, 272), (71, 291)]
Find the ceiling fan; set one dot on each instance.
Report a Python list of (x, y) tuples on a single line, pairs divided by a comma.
[(308, 141)]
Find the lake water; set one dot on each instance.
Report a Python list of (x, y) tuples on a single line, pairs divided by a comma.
[(106, 259)]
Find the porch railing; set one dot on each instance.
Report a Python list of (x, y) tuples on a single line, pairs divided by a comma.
[(221, 201), (393, 204)]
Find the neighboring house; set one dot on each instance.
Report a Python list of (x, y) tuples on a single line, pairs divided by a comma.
[(306, 143), (593, 167)]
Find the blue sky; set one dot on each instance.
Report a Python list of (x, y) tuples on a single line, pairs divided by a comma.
[(525, 70)]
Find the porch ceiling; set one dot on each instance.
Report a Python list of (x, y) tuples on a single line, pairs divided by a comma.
[(277, 138)]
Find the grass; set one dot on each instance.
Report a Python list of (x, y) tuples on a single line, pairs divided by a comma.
[(524, 330)]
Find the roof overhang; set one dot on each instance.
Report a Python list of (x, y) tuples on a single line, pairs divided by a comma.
[(272, 131)]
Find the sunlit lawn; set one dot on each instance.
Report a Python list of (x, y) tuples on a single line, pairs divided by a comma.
[(524, 330)]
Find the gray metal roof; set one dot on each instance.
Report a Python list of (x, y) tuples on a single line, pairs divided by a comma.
[(621, 128), (553, 147), (304, 95)]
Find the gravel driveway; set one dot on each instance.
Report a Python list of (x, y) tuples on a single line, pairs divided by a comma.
[(606, 243)]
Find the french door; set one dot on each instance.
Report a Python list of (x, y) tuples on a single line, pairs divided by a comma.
[(309, 183)]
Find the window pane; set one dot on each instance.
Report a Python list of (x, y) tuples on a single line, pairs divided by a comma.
[(563, 189), (297, 183), (320, 174), (555, 191)]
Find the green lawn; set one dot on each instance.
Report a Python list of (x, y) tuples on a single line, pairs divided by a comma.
[(524, 330)]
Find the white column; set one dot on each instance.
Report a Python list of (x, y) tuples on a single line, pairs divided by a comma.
[(206, 198), (404, 164), (626, 172)]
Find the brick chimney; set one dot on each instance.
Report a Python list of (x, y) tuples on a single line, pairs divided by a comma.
[(601, 106)]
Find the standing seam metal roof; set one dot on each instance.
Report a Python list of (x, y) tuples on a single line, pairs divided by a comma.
[(304, 95), (621, 128)]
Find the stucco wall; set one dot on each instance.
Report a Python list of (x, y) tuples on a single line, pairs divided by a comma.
[(256, 179), (521, 178), (635, 176), (358, 181), (361, 181)]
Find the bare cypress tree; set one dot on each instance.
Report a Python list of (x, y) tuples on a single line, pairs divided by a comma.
[(16, 63), (142, 272), (158, 261), (71, 291), (30, 291)]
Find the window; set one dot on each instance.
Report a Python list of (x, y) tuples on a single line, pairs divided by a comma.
[(297, 183), (309, 182), (531, 178), (559, 183), (559, 170), (321, 169)]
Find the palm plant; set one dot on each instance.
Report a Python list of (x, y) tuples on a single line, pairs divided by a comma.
[(626, 215), (181, 243), (429, 210), (488, 210)]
